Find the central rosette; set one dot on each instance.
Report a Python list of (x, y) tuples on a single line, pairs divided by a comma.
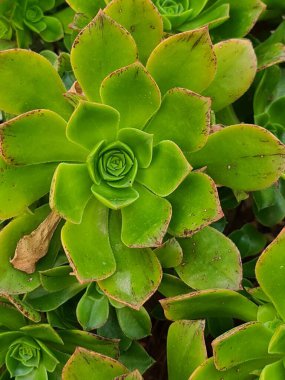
[(113, 165), (117, 165)]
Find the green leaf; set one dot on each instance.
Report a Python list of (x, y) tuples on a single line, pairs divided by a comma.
[(20, 186), (184, 118), (195, 204), (35, 76), (213, 16), (114, 198), (236, 69), (274, 371), (209, 303), (57, 278), (84, 339), (242, 372), (87, 244), (53, 31), (167, 170), (170, 68), (136, 357), (276, 344), (145, 222), (248, 240), (87, 7), (243, 16), (250, 158), (91, 123), (133, 92), (169, 254), (247, 342), (141, 19), (269, 272), (186, 348), (141, 143), (138, 272), (92, 310), (210, 260), (44, 300), (42, 332), (10, 318), (88, 364), (70, 191), (23, 307), (13, 281), (172, 286), (135, 324), (38, 137), (102, 47)]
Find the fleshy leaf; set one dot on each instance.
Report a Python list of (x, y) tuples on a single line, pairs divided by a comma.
[(38, 137), (184, 118), (186, 348), (114, 198), (170, 68), (276, 345), (242, 157), (35, 76), (172, 286), (91, 123), (87, 7), (91, 365), (21, 186), (70, 191), (133, 92), (135, 324), (167, 170), (209, 303), (12, 280), (151, 215), (248, 342), (53, 31), (89, 64), (87, 244), (92, 310), (169, 254), (195, 204), (269, 272), (141, 19), (274, 371), (138, 271), (141, 143), (241, 372), (243, 16), (236, 69), (136, 357), (210, 260), (10, 318)]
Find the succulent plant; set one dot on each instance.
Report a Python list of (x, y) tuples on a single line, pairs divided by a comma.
[(254, 347), (225, 18), (228, 18), (125, 148), (19, 19), (37, 351)]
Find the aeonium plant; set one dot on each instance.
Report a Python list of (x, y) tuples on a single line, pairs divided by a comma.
[(254, 349), (37, 351), (225, 18), (19, 19), (118, 155)]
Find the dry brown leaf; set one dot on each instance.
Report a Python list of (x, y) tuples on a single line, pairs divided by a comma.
[(31, 248)]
